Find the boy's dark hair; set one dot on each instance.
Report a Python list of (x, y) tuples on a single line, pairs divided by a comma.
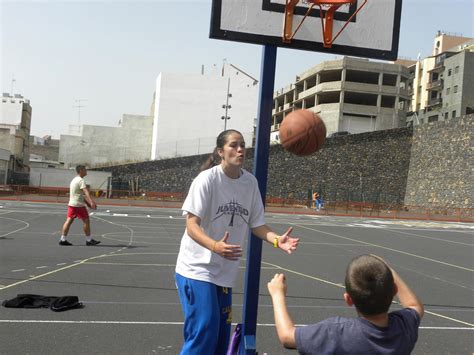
[(214, 159), (369, 282), (79, 168)]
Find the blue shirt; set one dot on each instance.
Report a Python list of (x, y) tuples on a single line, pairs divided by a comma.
[(338, 335)]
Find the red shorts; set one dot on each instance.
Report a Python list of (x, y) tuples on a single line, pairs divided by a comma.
[(77, 212)]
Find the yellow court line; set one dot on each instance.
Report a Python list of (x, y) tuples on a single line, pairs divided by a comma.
[(50, 272), (76, 264), (127, 264), (158, 253), (387, 248)]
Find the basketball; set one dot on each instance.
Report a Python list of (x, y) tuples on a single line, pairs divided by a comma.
[(302, 132)]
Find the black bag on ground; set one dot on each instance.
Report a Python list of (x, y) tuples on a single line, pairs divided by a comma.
[(64, 303), (57, 304)]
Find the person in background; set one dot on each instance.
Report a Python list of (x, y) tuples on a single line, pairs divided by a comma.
[(79, 197)]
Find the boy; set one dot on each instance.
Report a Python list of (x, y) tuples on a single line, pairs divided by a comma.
[(370, 286)]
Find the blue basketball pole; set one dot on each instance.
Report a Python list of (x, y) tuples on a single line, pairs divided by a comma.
[(260, 170)]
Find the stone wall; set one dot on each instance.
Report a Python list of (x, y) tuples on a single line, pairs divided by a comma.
[(441, 166), (369, 167), (428, 166), (361, 167)]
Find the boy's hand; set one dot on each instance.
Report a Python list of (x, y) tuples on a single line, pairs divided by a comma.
[(277, 285), (380, 258)]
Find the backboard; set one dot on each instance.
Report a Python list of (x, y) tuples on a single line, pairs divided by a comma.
[(373, 32)]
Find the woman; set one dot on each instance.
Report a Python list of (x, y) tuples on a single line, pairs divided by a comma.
[(223, 203)]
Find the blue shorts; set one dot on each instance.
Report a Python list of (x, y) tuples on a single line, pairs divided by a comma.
[(207, 312)]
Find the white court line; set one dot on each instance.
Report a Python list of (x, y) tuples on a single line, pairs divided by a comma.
[(347, 224), (432, 238), (17, 270), (387, 248), (120, 225), (17, 230), (367, 225), (169, 323), (342, 286), (41, 267)]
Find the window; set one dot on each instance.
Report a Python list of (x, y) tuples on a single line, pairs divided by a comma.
[(446, 115), (456, 69), (448, 90), (455, 89), (449, 72), (453, 114), (433, 118)]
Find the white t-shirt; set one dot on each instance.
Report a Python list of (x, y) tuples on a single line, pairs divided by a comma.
[(76, 196), (223, 205)]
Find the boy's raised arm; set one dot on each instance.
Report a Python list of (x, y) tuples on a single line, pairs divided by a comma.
[(407, 297), (283, 322)]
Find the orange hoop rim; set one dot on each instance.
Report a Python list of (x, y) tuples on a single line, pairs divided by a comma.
[(330, 2)]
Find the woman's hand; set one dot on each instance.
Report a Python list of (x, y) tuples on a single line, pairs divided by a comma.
[(288, 243), (227, 251)]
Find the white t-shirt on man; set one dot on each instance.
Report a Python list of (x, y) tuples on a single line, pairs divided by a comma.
[(76, 196), (223, 205)]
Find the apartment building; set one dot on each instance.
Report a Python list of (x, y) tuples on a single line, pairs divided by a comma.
[(15, 122), (97, 146), (351, 94), (191, 109), (442, 85)]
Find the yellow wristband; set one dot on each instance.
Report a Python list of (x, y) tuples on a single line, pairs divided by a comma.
[(214, 246), (275, 241)]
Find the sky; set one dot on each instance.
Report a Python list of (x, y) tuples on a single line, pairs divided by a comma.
[(109, 53)]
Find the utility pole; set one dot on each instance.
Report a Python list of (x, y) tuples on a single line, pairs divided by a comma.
[(227, 106), (79, 106)]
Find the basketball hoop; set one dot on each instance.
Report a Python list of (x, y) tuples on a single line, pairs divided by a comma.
[(327, 8)]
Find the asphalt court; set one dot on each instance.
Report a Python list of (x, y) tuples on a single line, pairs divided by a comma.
[(131, 303)]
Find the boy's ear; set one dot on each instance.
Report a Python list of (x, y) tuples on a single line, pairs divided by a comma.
[(348, 299), (395, 289)]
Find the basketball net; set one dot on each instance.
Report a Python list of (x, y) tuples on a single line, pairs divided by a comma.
[(327, 8)]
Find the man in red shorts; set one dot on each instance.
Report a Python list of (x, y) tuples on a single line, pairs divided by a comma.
[(78, 197)]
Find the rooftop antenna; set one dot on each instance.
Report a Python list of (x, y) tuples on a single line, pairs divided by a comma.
[(11, 86), (79, 106), (224, 61)]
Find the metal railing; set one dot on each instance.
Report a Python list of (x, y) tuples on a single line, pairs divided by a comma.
[(384, 210)]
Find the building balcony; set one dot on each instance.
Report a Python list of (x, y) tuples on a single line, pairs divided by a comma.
[(434, 102), (436, 85), (437, 69)]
